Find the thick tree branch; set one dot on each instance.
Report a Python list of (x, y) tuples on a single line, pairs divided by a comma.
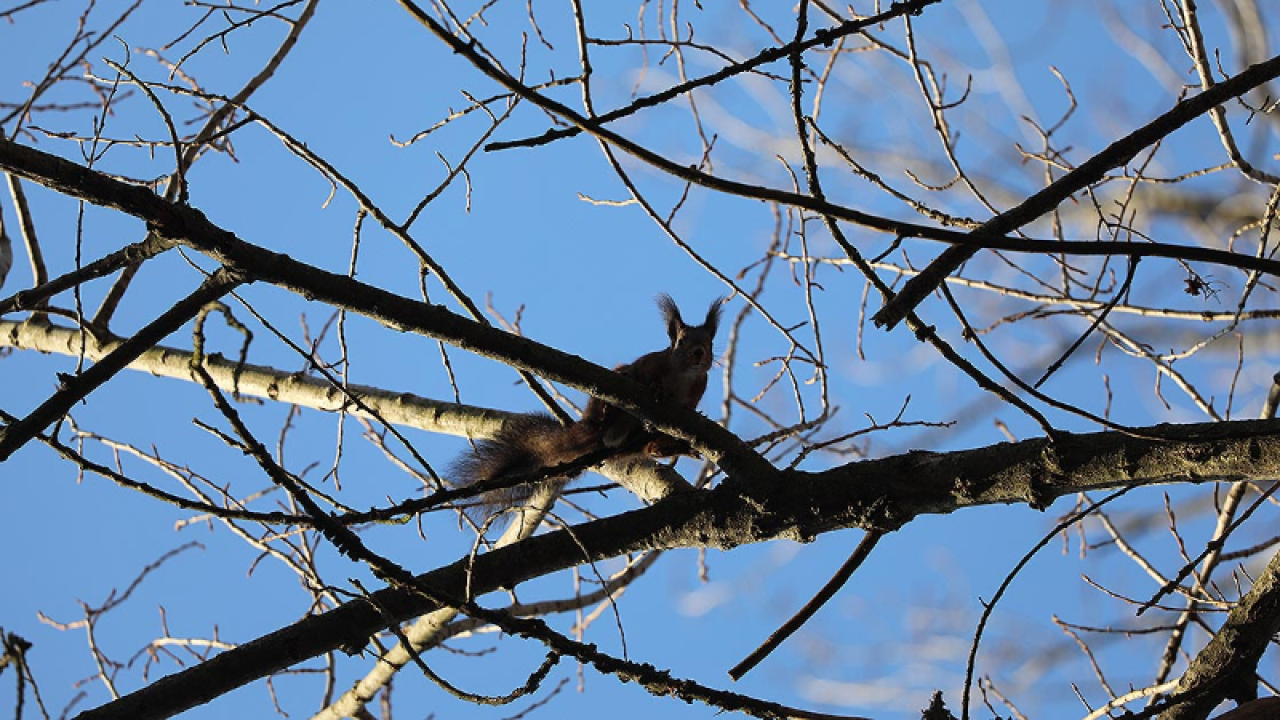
[(190, 227), (646, 479), (877, 494), (269, 383), (1227, 667), (1115, 155)]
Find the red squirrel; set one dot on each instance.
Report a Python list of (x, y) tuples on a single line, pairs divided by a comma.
[(531, 448)]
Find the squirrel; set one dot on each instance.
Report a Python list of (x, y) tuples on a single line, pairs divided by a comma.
[(536, 448)]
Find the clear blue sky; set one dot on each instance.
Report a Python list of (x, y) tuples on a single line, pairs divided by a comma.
[(585, 274)]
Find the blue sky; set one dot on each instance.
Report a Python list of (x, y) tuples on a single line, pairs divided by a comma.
[(586, 274)]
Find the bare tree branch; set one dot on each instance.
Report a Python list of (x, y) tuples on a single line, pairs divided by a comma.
[(878, 494)]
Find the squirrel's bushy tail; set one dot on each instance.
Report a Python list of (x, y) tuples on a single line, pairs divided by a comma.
[(526, 446)]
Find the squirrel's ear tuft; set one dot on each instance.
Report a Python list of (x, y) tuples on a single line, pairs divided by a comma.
[(713, 316), (670, 315)]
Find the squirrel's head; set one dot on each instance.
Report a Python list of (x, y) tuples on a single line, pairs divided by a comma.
[(691, 344)]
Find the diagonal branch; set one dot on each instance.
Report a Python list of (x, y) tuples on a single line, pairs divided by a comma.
[(188, 226), (825, 38), (285, 386), (77, 388), (38, 296), (1115, 155), (1226, 668), (815, 603)]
